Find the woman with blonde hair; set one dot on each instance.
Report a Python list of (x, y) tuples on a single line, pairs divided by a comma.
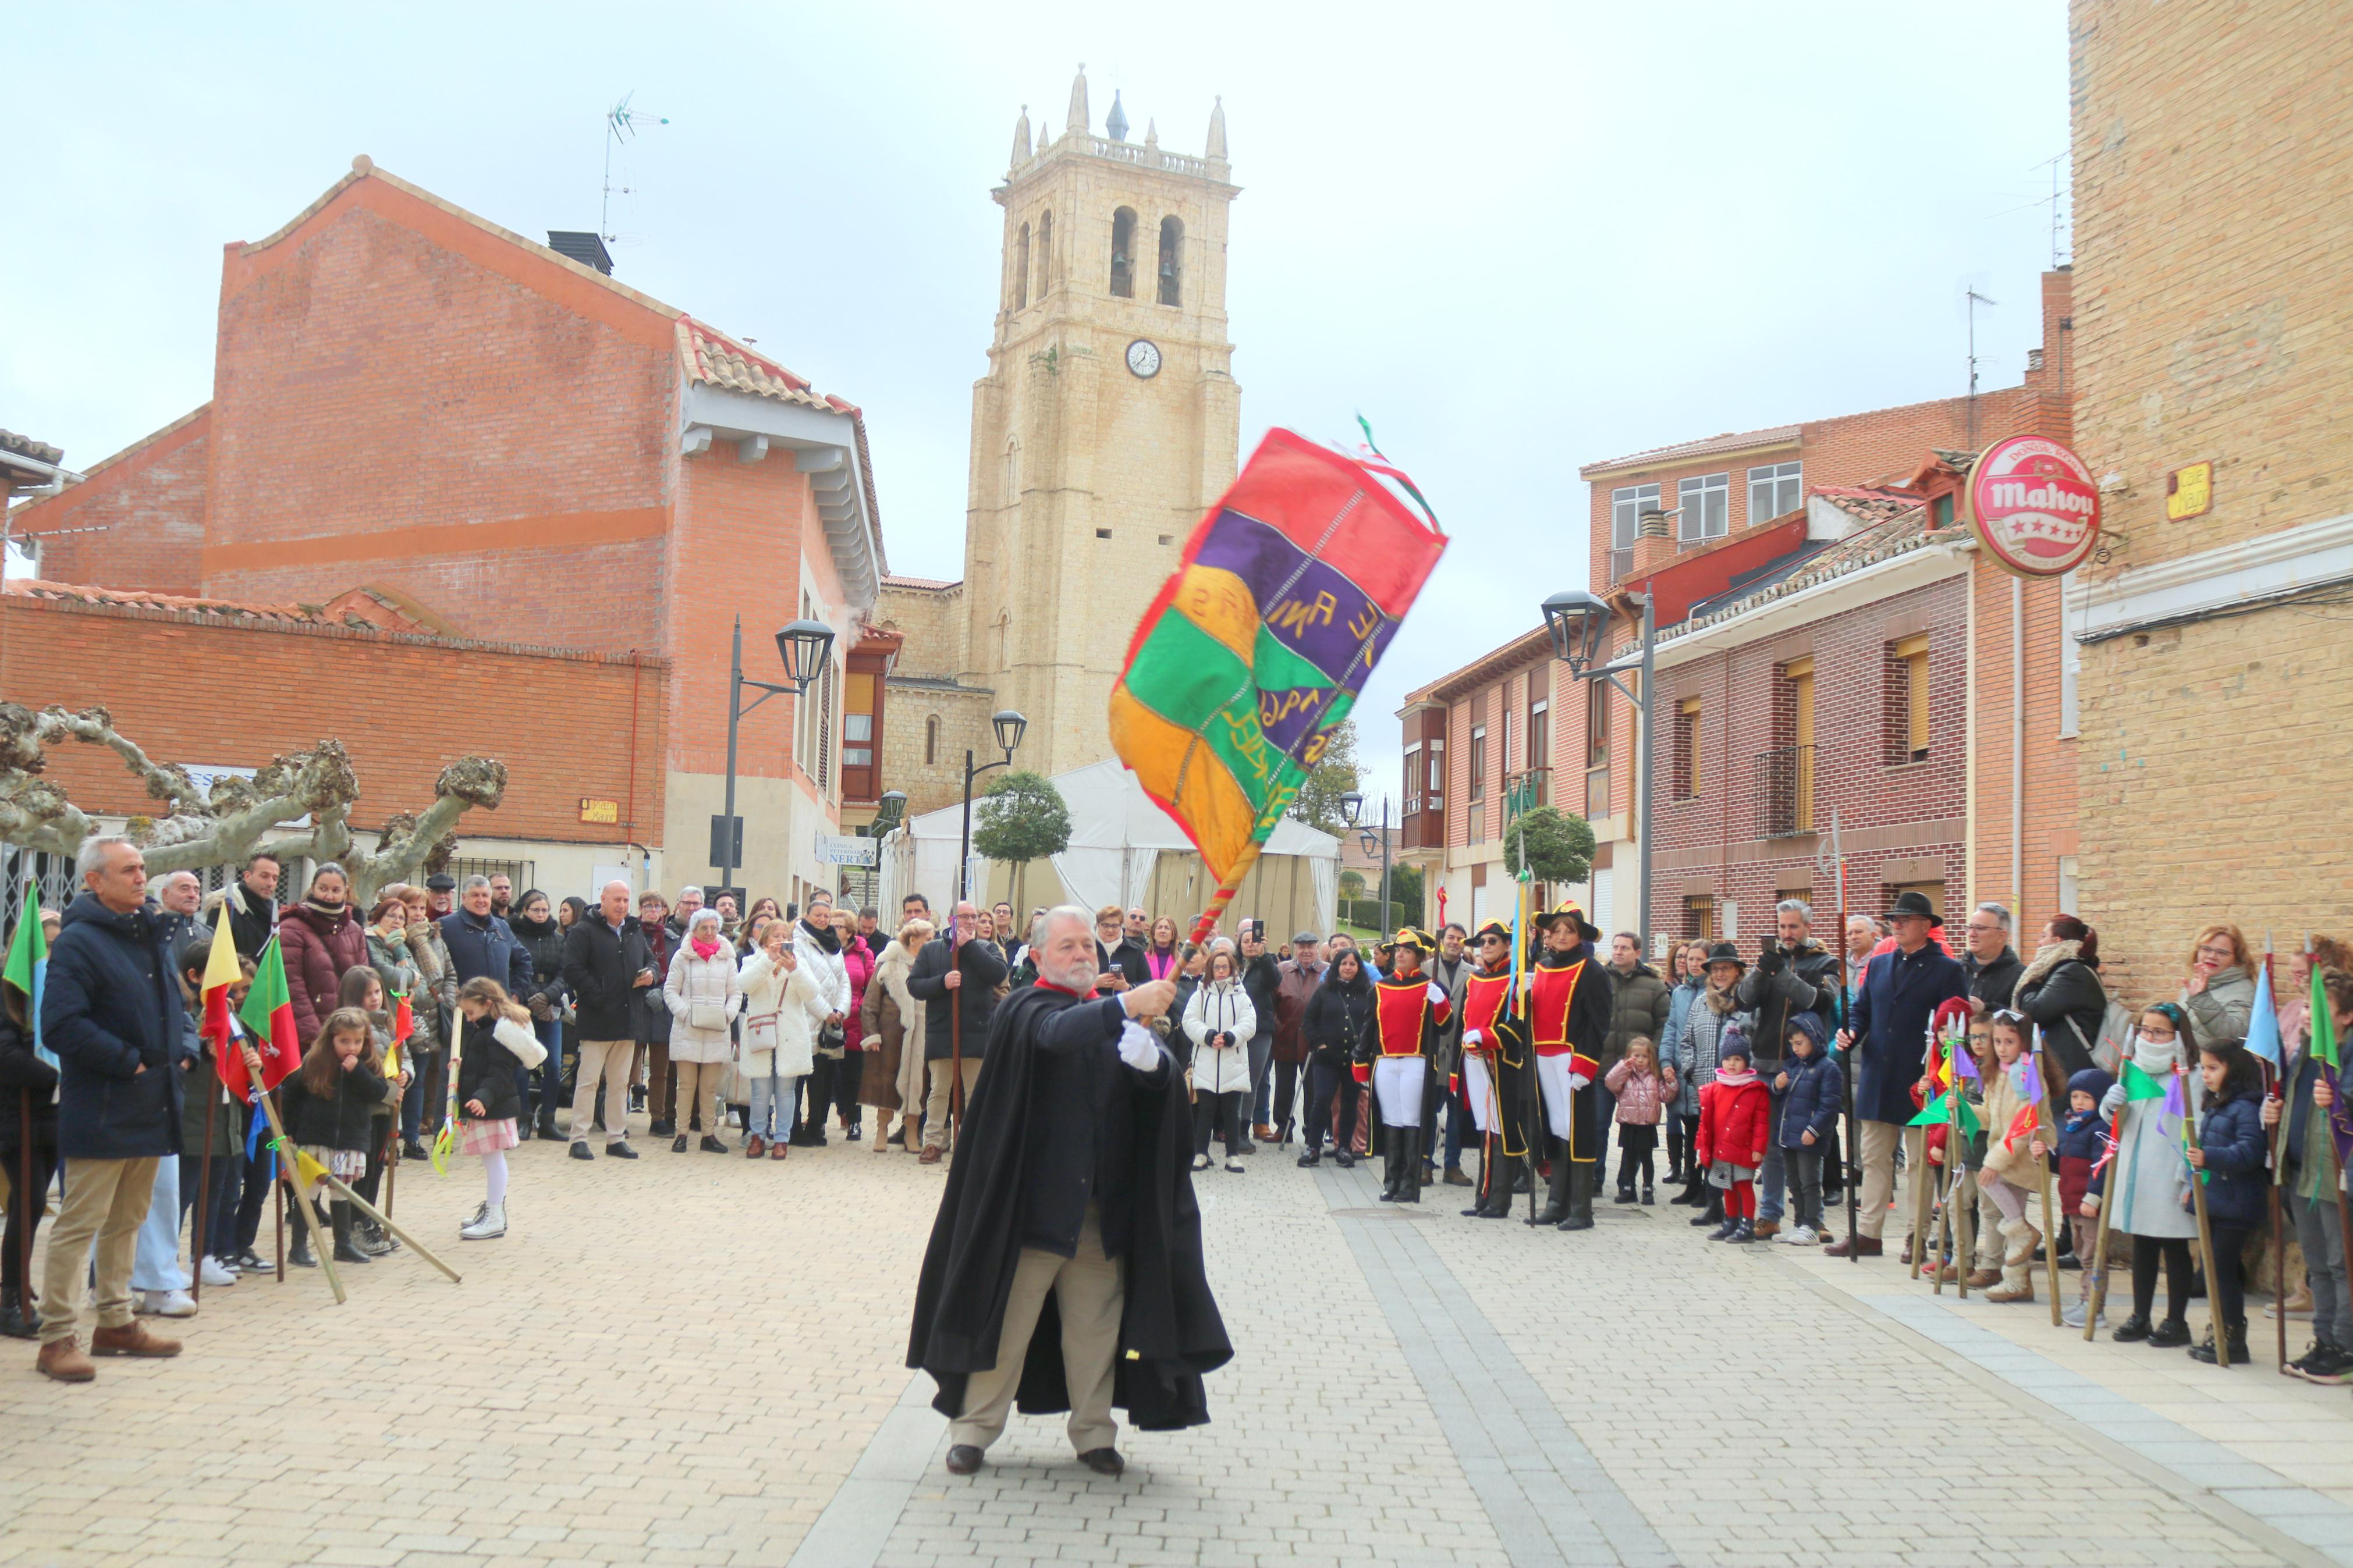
[(2220, 989), (891, 1025)]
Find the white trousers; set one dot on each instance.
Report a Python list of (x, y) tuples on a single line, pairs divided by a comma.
[(1552, 1081), (1478, 1089), (1397, 1085)]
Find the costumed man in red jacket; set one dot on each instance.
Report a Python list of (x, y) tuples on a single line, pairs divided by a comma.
[(1568, 1021), (1496, 1077), (1410, 1010), (1735, 1115)]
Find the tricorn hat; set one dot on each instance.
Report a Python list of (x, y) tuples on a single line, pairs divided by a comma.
[(1570, 909), (1913, 903), (1494, 929), (1408, 936)]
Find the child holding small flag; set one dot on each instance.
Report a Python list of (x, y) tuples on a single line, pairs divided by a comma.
[(2149, 1190), (2231, 1160), (2013, 1097), (362, 987), (495, 1045), (328, 1112), (2082, 1141), (2309, 1179)]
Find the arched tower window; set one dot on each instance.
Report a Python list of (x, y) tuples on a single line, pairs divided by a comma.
[(930, 739), (1045, 253), (1013, 473), (1021, 268), (1123, 254), (1172, 261)]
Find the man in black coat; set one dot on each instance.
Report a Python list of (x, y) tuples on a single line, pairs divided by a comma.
[(111, 1013), (956, 977), (1071, 1186), (1794, 974), (609, 966), (252, 902), (1992, 965)]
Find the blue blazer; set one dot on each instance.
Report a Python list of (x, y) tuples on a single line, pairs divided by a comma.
[(1899, 993)]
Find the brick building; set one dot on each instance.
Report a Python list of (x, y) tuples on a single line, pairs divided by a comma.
[(513, 447), (2213, 202), (1811, 578)]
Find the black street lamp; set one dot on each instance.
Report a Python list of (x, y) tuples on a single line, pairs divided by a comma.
[(1008, 726), (1352, 808), (1578, 621), (803, 646)]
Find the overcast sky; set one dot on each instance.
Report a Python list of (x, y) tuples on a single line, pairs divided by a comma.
[(1518, 238)]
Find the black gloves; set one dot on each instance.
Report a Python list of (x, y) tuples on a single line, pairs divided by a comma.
[(1770, 958)]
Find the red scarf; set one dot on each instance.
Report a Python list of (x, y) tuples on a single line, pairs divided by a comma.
[(704, 950)]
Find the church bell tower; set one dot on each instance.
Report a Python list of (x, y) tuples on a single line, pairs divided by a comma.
[(1108, 419)]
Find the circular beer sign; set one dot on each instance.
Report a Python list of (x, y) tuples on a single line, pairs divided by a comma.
[(2032, 503)]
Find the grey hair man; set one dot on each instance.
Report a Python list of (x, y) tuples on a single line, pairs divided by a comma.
[(1992, 965), (1793, 975)]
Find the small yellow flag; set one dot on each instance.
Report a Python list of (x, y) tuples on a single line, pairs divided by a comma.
[(308, 1171)]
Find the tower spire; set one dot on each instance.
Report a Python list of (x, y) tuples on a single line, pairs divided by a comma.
[(1022, 138), (1079, 118), (1115, 125), (1216, 146)]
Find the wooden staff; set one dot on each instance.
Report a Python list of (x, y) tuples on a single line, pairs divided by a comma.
[(2198, 1205), (337, 1186), (2051, 1214), (1924, 1203), (322, 1247), (2098, 1261)]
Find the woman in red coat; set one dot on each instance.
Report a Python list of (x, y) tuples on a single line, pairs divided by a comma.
[(319, 939), (1735, 1115)]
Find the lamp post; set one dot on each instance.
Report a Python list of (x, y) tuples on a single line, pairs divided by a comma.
[(1352, 808), (1008, 726), (1576, 620), (803, 646)]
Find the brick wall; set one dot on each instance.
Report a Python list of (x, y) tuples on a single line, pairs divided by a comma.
[(190, 689), (2213, 167), (403, 397), (137, 521)]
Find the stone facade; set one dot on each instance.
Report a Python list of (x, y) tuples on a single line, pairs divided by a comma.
[(2213, 185)]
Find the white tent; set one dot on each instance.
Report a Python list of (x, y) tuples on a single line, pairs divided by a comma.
[(1123, 850)]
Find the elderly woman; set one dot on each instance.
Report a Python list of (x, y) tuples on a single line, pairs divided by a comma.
[(2220, 990), (781, 1011), (891, 1028), (704, 994), (1689, 961)]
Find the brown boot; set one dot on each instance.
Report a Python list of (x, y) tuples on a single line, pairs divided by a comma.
[(131, 1339), (1979, 1278), (62, 1359)]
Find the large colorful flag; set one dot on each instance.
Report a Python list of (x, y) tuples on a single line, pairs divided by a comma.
[(2263, 1021), (269, 1014), (1287, 595), (29, 964)]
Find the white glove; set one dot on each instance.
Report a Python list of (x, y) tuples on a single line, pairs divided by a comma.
[(2112, 1102), (1138, 1047), (1580, 1080), (1474, 1037), (1436, 995)]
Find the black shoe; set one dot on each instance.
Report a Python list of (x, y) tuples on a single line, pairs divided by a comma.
[(855, 1134), (410, 1149), (1713, 1213), (523, 1128), (2233, 1351), (581, 1151), (963, 1460), (548, 1130), (1345, 1159), (248, 1261), (1556, 1208), (677, 1144), (713, 1145), (1626, 1195), (1741, 1233), (2132, 1330), (637, 1097), (2170, 1334), (1650, 1195), (1308, 1161), (1392, 1165), (619, 1152), (662, 1129), (1103, 1461), (340, 1216), (18, 1321), (298, 1248)]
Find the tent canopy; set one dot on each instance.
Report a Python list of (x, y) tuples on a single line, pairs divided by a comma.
[(1124, 849)]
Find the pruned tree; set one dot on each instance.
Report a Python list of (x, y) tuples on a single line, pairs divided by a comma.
[(236, 817), (1020, 819), (1335, 774), (1556, 847)]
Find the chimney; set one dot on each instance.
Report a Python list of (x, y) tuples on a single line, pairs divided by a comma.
[(1654, 542), (586, 248)]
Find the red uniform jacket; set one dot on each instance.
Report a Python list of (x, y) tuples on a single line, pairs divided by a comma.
[(1734, 1118)]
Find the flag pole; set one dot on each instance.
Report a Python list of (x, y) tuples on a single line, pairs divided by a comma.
[(2098, 1261), (28, 1197), (2051, 1214), (204, 1197), (2198, 1204), (1851, 1157), (322, 1247), (2276, 1090)]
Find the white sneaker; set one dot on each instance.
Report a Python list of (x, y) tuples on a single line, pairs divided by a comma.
[(2072, 1314), (213, 1271), (490, 1224), (1800, 1235), (169, 1304), (1200, 1161)]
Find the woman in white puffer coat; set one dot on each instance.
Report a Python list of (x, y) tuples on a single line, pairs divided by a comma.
[(783, 1005), (1221, 1023), (704, 997)]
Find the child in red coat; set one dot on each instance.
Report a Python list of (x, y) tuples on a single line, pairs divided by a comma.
[(1734, 1113)]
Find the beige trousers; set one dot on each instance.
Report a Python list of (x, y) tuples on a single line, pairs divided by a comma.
[(935, 1108), (698, 1090), (1879, 1170), (610, 1060), (1089, 1291), (105, 1200)]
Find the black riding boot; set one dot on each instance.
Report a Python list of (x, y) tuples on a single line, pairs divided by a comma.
[(298, 1251), (1409, 1187), (1582, 1182), (340, 1215), (1388, 1164), (1556, 1207)]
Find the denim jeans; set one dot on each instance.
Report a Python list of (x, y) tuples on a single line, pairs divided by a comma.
[(773, 1097), (219, 1239), (155, 1265), (1771, 1179)]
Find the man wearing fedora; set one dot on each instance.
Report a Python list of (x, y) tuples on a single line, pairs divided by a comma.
[(1899, 994), (1568, 1025)]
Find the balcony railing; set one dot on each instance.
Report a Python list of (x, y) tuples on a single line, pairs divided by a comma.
[(1622, 562), (1784, 792)]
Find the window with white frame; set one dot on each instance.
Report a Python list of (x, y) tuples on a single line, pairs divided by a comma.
[(1412, 778), (1707, 502), (1627, 505), (1773, 490)]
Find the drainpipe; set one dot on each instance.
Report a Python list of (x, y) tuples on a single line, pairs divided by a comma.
[(2018, 750)]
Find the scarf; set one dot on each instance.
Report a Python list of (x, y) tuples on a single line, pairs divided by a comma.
[(705, 949), (1736, 1079), (825, 936), (1159, 962), (529, 929), (2047, 959), (333, 912)]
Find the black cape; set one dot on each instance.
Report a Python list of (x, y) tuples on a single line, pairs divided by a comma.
[(1170, 1332)]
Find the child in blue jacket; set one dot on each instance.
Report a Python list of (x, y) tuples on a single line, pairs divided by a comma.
[(2229, 1153), (1811, 1096)]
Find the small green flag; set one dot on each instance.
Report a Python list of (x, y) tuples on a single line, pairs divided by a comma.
[(1938, 1112), (2324, 1026), (2138, 1085)]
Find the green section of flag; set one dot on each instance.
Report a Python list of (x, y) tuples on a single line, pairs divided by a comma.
[(1938, 1112), (1184, 674), (29, 948), (2324, 1026), (2138, 1085), (269, 995)]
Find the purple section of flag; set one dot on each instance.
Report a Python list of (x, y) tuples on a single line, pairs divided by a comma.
[(1310, 607), (1289, 715)]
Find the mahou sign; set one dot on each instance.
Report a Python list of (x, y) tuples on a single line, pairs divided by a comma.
[(2032, 503)]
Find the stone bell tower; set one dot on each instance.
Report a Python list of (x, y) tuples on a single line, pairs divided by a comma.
[(1109, 418)]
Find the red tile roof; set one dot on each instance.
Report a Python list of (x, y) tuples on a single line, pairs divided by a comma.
[(1730, 441)]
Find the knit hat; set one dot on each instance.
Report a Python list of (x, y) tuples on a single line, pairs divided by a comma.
[(2092, 1081), (1734, 1042)]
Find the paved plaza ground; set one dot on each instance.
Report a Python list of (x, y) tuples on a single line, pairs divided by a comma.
[(696, 1361)]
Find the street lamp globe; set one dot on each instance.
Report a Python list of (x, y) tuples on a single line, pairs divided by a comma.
[(1008, 726), (1576, 620), (888, 813), (803, 646), (1352, 808)]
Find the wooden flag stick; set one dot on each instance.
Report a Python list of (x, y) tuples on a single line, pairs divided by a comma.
[(2051, 1217), (2098, 1261), (2205, 1236), (322, 1247), (336, 1184), (203, 1200)]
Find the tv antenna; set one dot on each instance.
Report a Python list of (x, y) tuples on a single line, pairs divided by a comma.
[(1971, 299), (620, 125), (2058, 253)]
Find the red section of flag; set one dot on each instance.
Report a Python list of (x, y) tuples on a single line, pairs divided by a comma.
[(404, 1022), (2021, 1125)]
